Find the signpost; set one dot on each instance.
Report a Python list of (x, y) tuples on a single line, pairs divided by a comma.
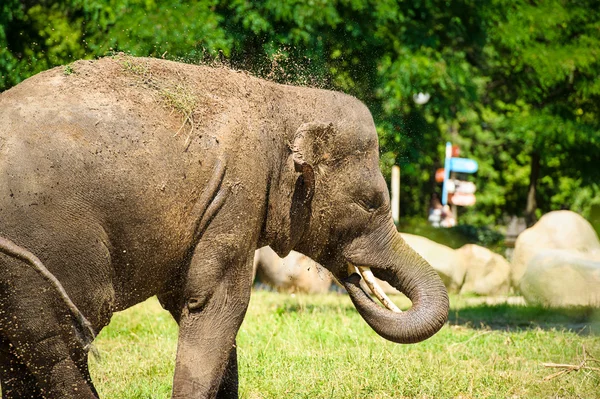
[(462, 199), (439, 175), (446, 173), (463, 192), (461, 186), (463, 165)]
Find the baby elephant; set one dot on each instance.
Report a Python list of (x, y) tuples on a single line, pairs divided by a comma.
[(133, 177)]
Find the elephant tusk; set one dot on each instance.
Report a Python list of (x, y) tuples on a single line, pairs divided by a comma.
[(367, 274), (369, 278)]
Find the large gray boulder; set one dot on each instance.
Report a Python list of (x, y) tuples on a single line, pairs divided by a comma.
[(446, 262), (558, 278), (555, 230), (486, 273), (294, 273)]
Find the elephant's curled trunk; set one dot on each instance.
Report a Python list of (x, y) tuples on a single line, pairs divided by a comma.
[(399, 265)]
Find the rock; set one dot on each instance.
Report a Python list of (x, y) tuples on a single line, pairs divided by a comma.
[(294, 273), (487, 273), (559, 278), (555, 230), (443, 259)]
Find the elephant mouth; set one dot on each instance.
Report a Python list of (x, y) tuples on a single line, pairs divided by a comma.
[(369, 278)]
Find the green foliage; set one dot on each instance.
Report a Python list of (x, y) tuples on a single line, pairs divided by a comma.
[(543, 72), (181, 29), (11, 14), (509, 80), (68, 70)]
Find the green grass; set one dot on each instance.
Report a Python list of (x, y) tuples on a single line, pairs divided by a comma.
[(319, 347), (68, 70)]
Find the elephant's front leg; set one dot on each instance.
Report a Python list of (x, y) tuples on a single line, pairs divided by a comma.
[(216, 296)]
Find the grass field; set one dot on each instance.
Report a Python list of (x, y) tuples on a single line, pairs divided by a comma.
[(319, 347)]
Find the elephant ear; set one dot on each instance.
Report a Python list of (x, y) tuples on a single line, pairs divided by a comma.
[(310, 149)]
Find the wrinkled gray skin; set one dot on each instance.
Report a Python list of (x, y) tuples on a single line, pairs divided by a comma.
[(97, 186)]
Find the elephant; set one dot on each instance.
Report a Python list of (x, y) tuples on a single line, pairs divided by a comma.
[(124, 178)]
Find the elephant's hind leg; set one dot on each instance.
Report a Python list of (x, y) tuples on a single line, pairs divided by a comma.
[(15, 378), (80, 357), (46, 355), (41, 338), (17, 381)]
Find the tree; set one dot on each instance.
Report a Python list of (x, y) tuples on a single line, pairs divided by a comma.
[(514, 83), (543, 61)]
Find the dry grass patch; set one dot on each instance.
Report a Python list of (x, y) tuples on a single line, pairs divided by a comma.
[(176, 97), (135, 66), (181, 99)]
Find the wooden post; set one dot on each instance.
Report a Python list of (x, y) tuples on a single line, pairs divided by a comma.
[(453, 207), (396, 194)]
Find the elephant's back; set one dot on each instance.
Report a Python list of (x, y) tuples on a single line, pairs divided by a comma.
[(104, 132), (140, 99), (117, 116)]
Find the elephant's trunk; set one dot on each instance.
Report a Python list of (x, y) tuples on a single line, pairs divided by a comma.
[(392, 260)]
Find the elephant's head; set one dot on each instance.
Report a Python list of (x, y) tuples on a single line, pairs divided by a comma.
[(337, 211)]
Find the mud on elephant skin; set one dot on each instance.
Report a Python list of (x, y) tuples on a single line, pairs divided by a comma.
[(134, 177)]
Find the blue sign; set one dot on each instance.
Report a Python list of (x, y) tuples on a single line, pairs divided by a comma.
[(459, 165), (463, 165)]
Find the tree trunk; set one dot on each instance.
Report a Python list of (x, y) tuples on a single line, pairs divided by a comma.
[(531, 206)]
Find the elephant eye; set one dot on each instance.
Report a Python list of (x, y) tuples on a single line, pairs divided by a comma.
[(372, 202), (366, 205)]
